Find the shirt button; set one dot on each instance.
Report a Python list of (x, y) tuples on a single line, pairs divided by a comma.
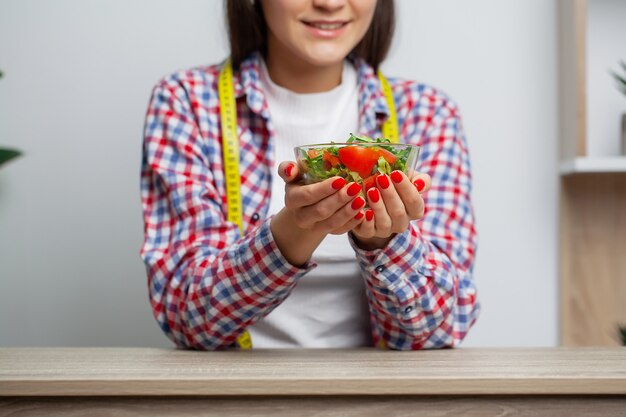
[(408, 310), (255, 217), (380, 268)]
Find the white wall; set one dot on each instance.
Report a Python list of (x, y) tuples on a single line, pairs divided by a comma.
[(78, 78), (605, 49)]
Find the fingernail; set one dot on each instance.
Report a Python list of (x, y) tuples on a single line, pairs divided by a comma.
[(359, 215), (419, 184), (396, 176), (353, 189), (288, 170), (373, 194), (383, 181), (369, 215), (338, 183), (358, 203)]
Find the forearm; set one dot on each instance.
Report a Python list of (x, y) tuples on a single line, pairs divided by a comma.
[(419, 298), (296, 244), (206, 302)]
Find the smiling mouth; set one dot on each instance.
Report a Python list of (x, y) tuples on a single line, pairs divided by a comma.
[(326, 25)]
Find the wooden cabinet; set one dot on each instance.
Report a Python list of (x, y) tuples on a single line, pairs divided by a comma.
[(593, 194)]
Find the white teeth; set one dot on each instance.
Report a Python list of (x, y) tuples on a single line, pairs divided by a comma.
[(327, 26)]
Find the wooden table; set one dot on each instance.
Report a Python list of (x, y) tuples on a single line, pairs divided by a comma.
[(365, 382)]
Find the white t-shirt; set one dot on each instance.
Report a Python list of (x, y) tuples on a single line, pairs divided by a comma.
[(328, 307)]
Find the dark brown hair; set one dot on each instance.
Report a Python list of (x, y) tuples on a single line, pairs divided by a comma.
[(247, 31)]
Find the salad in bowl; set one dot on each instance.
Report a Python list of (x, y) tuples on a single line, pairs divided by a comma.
[(359, 159)]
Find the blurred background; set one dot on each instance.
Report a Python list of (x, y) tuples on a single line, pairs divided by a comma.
[(77, 79)]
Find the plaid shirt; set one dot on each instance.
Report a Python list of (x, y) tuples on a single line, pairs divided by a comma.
[(208, 282)]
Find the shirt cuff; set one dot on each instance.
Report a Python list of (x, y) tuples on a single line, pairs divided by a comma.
[(263, 264), (399, 267)]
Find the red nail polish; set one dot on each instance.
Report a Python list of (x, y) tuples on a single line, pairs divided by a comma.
[(359, 215), (373, 194), (396, 176), (358, 203), (338, 183), (353, 189), (419, 184), (288, 170), (369, 215), (383, 181)]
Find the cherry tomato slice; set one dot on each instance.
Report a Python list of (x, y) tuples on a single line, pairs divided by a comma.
[(361, 159), (369, 182), (389, 157), (330, 160)]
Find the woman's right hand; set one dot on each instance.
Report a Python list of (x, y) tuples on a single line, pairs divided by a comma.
[(327, 207)]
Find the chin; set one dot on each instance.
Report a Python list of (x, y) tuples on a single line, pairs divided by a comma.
[(325, 57)]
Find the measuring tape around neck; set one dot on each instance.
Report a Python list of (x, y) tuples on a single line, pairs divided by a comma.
[(390, 126), (230, 149)]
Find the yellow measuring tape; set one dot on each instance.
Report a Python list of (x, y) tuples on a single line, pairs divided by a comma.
[(230, 148), (230, 144), (390, 127)]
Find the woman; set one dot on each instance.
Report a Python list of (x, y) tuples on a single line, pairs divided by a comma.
[(310, 268)]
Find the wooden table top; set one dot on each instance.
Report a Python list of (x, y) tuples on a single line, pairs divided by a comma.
[(464, 371)]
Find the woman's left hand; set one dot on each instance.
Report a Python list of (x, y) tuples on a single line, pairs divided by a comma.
[(394, 202)]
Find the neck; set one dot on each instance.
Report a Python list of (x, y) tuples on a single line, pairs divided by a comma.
[(301, 77)]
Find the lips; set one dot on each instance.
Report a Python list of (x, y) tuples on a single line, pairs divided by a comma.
[(321, 25)]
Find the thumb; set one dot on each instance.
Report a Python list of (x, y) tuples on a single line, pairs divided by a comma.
[(288, 171)]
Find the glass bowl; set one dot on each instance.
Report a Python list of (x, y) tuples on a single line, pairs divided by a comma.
[(357, 162)]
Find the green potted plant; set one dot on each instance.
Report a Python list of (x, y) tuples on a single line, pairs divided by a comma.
[(7, 154), (621, 85)]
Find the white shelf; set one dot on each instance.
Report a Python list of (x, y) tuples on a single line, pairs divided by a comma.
[(593, 164)]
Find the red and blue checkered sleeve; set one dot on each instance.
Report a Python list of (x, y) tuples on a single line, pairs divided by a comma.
[(420, 287), (207, 283)]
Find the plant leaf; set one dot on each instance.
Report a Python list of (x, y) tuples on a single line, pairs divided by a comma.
[(621, 82), (622, 331), (8, 154)]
